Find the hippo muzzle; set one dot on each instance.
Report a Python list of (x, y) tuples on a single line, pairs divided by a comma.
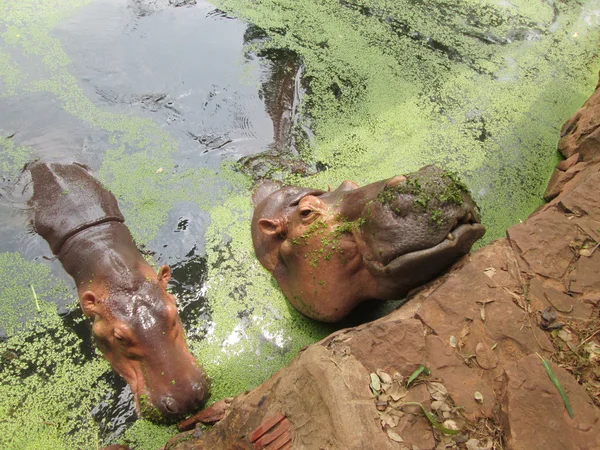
[(331, 250)]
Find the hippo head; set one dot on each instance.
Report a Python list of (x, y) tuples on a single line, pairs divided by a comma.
[(331, 250), (138, 330)]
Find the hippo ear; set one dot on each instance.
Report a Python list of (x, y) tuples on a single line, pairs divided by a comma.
[(89, 303), (272, 227), (263, 190), (164, 275)]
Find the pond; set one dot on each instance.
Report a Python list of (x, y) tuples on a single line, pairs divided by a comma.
[(178, 106)]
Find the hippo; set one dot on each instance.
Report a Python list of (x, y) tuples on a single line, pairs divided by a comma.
[(330, 250), (136, 325)]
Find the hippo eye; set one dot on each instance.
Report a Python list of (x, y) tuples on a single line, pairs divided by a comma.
[(305, 212), (120, 336)]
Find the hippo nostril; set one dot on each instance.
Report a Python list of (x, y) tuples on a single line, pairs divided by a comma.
[(170, 405)]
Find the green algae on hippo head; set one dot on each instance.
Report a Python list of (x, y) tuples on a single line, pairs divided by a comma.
[(331, 250)]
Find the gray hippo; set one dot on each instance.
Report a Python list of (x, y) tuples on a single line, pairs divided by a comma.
[(331, 250), (135, 321)]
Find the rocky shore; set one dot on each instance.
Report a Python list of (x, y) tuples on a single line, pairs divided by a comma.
[(477, 337)]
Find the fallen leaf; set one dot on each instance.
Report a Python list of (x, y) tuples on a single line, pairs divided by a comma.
[(453, 341), (393, 435), (397, 392), (585, 252), (388, 419), (478, 396), (485, 356), (384, 377), (565, 335), (490, 272), (594, 351), (485, 302), (439, 405), (398, 377), (159, 170), (474, 444), (451, 425), (482, 313), (386, 387), (437, 391), (375, 382)]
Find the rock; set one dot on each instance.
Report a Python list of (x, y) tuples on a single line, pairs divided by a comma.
[(568, 163), (542, 243), (534, 415), (581, 133), (559, 179), (567, 307)]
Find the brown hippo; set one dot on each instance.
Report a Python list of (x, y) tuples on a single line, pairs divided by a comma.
[(330, 251), (135, 320)]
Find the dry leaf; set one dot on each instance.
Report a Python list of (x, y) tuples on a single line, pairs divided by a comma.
[(478, 396), (474, 444), (397, 392), (465, 331), (482, 313), (565, 335), (385, 378), (439, 405), (388, 419), (398, 377), (159, 170), (451, 425), (393, 435), (594, 351), (385, 387), (453, 341), (490, 272), (375, 382), (485, 356), (437, 391), (485, 302)]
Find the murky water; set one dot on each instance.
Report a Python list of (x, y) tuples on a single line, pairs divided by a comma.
[(161, 97)]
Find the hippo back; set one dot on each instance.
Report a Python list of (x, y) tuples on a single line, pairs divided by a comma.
[(67, 199)]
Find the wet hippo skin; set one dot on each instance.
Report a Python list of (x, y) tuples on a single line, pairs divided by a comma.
[(135, 320), (330, 251)]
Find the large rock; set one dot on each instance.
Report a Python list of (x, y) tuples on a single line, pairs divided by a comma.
[(477, 329), (534, 415)]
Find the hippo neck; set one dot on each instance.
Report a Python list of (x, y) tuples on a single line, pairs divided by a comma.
[(104, 256)]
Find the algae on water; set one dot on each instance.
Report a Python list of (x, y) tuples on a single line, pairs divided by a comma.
[(480, 87)]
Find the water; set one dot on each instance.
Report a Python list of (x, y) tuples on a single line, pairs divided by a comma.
[(161, 98)]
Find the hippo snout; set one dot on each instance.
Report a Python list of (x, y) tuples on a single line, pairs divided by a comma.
[(175, 404)]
